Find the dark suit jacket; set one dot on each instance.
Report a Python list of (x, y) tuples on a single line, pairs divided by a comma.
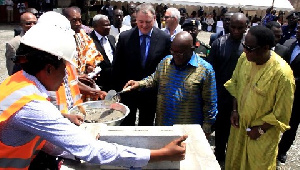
[(281, 50), (215, 36), (127, 64), (105, 79), (295, 65)]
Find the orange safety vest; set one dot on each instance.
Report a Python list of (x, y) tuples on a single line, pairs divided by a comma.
[(75, 92), (16, 92)]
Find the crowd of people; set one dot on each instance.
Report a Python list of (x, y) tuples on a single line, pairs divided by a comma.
[(242, 85)]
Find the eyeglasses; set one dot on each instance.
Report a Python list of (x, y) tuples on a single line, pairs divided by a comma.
[(30, 23), (182, 53), (190, 29), (176, 53), (250, 49), (166, 17)]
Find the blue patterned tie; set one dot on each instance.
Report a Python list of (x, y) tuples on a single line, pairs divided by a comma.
[(143, 50)]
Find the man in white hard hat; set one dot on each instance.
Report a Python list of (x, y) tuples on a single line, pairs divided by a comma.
[(28, 119)]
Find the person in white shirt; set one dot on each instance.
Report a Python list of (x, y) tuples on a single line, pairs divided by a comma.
[(172, 17), (106, 45), (117, 27), (127, 18), (209, 21)]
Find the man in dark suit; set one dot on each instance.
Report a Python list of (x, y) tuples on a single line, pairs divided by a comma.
[(223, 56), (279, 49), (294, 60), (289, 30), (226, 23), (106, 45), (138, 52)]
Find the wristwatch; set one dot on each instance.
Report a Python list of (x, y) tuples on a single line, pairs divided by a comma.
[(260, 131)]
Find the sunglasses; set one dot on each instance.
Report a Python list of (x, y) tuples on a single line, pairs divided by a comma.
[(30, 23), (166, 17), (250, 49)]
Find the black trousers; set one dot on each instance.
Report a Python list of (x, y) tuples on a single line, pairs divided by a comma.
[(222, 128), (44, 161), (288, 137), (145, 101)]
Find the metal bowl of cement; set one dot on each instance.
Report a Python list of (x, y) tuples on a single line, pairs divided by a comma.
[(102, 111)]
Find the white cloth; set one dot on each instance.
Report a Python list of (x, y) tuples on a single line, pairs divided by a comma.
[(105, 44), (127, 20), (176, 31), (41, 118), (209, 21), (115, 32), (209, 28)]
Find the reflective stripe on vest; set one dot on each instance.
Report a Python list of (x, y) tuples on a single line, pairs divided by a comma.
[(16, 100), (17, 91), (75, 92), (20, 162)]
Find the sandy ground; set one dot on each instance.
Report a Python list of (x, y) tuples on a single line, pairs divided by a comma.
[(6, 33)]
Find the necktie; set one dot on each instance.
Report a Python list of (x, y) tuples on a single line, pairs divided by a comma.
[(107, 48), (143, 50), (102, 41)]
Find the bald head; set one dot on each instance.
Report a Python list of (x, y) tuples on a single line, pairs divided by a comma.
[(27, 20), (183, 38), (131, 9), (74, 16), (226, 21), (238, 25), (239, 17), (118, 18), (67, 11), (182, 48)]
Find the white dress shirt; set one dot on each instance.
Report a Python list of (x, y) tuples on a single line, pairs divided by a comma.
[(106, 45), (127, 20), (115, 31), (176, 31)]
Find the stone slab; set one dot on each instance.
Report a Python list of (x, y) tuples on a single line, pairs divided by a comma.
[(199, 155)]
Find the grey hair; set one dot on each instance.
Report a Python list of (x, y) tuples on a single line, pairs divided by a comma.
[(174, 13), (97, 18), (145, 8)]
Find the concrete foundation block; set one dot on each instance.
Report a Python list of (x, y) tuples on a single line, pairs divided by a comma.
[(199, 155)]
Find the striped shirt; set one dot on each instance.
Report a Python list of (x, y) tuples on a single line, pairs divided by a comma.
[(185, 96)]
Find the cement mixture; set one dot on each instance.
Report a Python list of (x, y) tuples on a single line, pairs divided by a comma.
[(100, 115)]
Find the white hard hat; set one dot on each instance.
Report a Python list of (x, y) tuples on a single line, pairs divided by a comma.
[(52, 34)]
